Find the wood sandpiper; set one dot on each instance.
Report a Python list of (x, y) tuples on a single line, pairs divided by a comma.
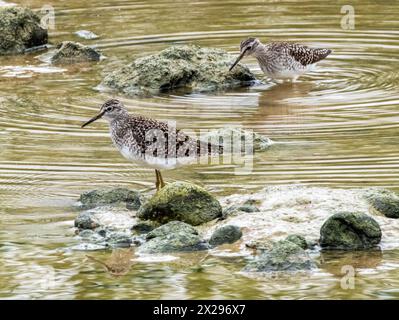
[(282, 60), (152, 143)]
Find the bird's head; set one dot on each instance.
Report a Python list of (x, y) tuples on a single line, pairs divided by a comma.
[(110, 110), (247, 47)]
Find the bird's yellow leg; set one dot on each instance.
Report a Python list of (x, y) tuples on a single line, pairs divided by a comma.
[(157, 181), (162, 183)]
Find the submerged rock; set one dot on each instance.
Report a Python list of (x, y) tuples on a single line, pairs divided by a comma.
[(118, 196), (69, 52), (181, 201), (171, 237), (299, 240), (347, 230), (385, 202), (190, 67), (20, 30), (284, 256), (225, 234)]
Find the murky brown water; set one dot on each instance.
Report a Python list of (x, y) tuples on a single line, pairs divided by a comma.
[(337, 127)]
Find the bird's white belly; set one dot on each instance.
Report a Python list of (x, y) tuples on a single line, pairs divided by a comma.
[(288, 73), (156, 162)]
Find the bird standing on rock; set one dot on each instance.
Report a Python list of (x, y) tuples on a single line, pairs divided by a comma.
[(282, 60), (152, 143)]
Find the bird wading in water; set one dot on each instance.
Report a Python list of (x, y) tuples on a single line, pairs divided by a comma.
[(152, 143), (282, 60)]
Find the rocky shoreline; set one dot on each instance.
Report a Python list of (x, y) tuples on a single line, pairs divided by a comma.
[(278, 229)]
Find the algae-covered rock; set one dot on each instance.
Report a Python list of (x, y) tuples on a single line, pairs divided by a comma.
[(117, 196), (348, 230), (385, 202), (20, 30), (190, 67), (225, 234), (69, 52), (299, 240), (181, 201), (284, 256), (171, 237)]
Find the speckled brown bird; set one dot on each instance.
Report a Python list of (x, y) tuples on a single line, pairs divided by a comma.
[(152, 143), (282, 60)]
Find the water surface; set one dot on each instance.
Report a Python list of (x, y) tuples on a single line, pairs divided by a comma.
[(337, 127)]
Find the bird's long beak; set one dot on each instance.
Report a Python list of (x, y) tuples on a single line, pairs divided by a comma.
[(93, 119), (238, 60)]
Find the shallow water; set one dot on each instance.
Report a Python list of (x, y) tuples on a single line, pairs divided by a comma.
[(336, 127)]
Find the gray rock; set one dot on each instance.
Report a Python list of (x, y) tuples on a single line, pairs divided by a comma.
[(181, 201), (190, 67), (248, 208), (86, 34), (20, 30), (103, 239), (385, 202), (174, 236), (225, 234), (261, 244), (73, 52), (284, 256), (86, 220), (117, 196), (348, 230), (298, 240), (118, 239), (144, 227), (172, 227), (232, 133)]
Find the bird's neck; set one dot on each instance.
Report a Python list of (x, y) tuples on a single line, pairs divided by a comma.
[(121, 118), (260, 50)]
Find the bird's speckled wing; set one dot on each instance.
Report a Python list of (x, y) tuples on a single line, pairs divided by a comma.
[(182, 145), (306, 55)]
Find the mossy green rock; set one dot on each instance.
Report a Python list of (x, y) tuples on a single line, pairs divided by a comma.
[(181, 201), (225, 234), (20, 30), (385, 202), (348, 230), (117, 196), (299, 240), (173, 237), (74, 52), (284, 256), (190, 67)]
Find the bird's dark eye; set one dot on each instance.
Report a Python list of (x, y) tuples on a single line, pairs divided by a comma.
[(109, 109), (249, 47)]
